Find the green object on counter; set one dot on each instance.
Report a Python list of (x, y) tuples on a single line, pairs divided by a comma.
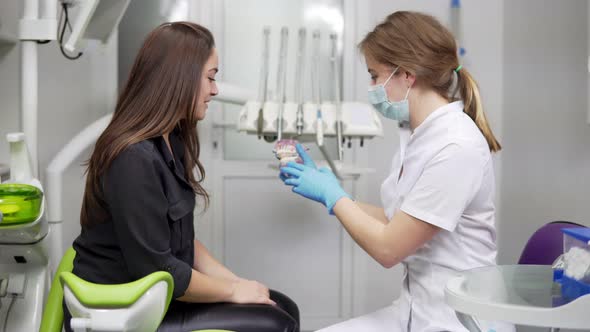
[(19, 203)]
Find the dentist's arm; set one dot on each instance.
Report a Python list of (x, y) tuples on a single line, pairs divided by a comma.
[(448, 184), (376, 212), (387, 243), (437, 201), (372, 210)]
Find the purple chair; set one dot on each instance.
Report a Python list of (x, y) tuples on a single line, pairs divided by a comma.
[(546, 244)]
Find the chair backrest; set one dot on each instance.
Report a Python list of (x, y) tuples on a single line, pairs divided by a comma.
[(546, 244), (53, 314)]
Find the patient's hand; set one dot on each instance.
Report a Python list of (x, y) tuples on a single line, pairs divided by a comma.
[(250, 291)]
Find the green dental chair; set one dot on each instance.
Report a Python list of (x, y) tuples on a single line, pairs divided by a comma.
[(135, 306)]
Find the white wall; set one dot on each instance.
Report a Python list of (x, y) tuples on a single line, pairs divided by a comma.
[(546, 159), (72, 94)]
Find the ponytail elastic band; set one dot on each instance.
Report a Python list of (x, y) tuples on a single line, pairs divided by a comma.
[(458, 68)]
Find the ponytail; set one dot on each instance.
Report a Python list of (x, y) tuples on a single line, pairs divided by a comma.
[(473, 107)]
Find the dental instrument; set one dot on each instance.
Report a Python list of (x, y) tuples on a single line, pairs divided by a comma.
[(282, 80), (263, 85), (313, 120), (316, 88), (337, 99), (320, 122), (299, 69)]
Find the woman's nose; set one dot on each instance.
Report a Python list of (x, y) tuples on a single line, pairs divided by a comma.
[(214, 90)]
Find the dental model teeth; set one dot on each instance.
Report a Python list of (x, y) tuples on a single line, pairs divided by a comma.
[(286, 151)]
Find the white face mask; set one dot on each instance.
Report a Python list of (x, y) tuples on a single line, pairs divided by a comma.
[(395, 110)]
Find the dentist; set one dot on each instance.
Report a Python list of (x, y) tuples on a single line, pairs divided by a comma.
[(437, 215)]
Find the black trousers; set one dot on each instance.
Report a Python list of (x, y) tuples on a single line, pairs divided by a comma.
[(183, 317)]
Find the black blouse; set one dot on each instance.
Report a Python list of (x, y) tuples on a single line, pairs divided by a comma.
[(150, 226)]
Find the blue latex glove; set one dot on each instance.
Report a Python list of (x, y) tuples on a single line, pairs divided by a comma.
[(320, 185), (307, 160)]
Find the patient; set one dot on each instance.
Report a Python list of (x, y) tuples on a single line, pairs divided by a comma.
[(143, 180)]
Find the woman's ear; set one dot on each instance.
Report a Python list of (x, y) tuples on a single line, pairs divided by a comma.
[(410, 78)]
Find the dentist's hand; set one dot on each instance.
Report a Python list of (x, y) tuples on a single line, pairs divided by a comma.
[(307, 160), (320, 185)]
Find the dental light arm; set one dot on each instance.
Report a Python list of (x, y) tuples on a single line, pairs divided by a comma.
[(96, 19), (233, 94)]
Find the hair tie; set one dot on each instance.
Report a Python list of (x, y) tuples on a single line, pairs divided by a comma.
[(458, 68)]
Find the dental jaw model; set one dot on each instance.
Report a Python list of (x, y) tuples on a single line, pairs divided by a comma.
[(286, 151)]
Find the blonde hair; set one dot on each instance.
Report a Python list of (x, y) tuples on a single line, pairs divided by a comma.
[(419, 44)]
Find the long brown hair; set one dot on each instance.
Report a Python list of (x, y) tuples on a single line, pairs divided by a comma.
[(160, 95), (419, 44)]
